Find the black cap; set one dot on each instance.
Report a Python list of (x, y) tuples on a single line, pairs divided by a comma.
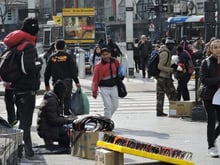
[(105, 50), (60, 44), (30, 25)]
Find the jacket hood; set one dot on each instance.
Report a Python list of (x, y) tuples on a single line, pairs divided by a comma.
[(17, 36), (50, 94), (163, 47)]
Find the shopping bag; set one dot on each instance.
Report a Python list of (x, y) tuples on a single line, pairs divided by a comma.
[(76, 103), (85, 102), (122, 92)]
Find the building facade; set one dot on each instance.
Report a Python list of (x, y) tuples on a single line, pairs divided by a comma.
[(112, 12)]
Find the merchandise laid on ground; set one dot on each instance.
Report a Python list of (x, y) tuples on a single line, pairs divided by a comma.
[(87, 131), (146, 150)]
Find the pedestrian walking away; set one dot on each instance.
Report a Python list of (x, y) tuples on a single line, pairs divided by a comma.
[(210, 79), (105, 77), (113, 47), (164, 83), (29, 82), (182, 75), (62, 66)]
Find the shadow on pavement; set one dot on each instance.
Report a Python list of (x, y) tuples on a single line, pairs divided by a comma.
[(142, 133)]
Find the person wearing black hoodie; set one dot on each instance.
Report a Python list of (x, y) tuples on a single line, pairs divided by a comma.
[(113, 47), (50, 124), (29, 82)]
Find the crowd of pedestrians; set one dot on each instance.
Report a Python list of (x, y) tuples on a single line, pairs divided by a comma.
[(62, 68), (174, 64)]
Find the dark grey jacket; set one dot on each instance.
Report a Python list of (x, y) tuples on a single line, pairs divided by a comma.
[(49, 119)]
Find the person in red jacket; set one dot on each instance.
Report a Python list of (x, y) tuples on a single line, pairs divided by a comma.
[(105, 77), (25, 88)]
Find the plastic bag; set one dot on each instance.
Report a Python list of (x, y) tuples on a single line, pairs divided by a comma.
[(76, 104), (121, 71), (85, 102), (79, 104)]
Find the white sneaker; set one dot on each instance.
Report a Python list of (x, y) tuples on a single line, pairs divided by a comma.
[(213, 152)]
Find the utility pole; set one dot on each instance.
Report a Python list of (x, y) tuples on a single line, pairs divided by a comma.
[(210, 22), (160, 14), (129, 37), (31, 8)]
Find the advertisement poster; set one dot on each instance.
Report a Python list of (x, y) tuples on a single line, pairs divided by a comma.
[(78, 25)]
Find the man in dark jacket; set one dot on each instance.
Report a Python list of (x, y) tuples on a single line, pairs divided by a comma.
[(61, 65), (50, 124), (113, 47), (25, 87)]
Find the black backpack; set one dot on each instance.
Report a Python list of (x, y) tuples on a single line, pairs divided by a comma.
[(10, 65), (153, 70)]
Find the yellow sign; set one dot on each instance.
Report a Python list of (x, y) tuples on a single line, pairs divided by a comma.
[(78, 25), (57, 20), (79, 41), (78, 12)]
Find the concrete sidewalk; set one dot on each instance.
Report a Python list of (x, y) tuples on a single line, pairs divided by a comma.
[(143, 125)]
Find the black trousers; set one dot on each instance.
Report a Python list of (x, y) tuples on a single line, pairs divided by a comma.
[(67, 98), (144, 63), (64, 139), (10, 105), (25, 102), (213, 122), (137, 63), (182, 88)]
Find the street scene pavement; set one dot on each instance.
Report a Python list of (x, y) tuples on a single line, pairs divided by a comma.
[(136, 119)]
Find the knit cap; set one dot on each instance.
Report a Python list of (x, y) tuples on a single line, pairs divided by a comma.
[(30, 25)]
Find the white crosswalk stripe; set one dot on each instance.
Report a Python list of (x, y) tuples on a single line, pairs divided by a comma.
[(134, 102)]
